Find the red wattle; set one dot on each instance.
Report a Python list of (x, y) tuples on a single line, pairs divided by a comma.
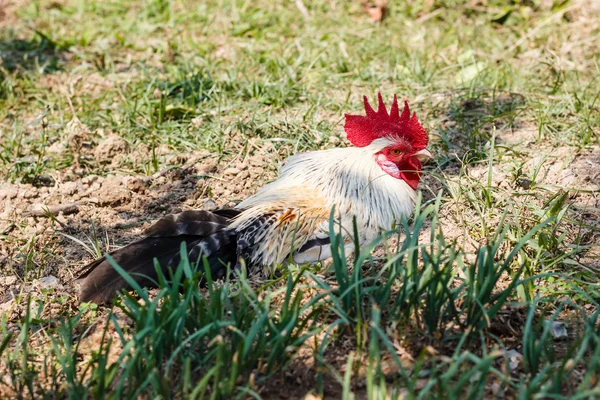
[(410, 171)]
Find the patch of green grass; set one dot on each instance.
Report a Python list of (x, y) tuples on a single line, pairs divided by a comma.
[(224, 64), (231, 338)]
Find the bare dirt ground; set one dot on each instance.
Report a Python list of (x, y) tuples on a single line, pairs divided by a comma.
[(117, 207)]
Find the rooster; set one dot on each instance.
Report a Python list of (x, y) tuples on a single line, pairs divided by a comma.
[(373, 182)]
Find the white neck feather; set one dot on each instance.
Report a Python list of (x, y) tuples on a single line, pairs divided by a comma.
[(350, 180)]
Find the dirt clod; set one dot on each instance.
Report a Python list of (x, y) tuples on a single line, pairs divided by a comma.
[(111, 149)]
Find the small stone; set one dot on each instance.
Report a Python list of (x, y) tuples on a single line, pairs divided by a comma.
[(209, 204), (558, 329), (231, 171), (524, 182), (68, 188), (47, 282), (514, 358)]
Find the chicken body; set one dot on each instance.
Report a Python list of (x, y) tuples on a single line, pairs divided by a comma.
[(301, 199), (287, 219)]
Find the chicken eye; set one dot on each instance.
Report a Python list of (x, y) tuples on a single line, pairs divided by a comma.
[(395, 152)]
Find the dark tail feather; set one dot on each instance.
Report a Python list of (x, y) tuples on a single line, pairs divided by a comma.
[(203, 232)]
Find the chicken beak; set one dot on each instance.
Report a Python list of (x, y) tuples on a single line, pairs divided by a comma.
[(423, 155)]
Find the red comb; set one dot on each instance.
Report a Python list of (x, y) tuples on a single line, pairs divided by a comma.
[(361, 130)]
